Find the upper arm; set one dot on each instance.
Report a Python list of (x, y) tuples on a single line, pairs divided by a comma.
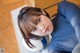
[(68, 9), (72, 13)]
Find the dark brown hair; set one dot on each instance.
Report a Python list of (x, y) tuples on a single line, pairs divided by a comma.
[(27, 22)]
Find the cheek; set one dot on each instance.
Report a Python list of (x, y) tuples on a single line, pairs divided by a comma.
[(39, 33), (46, 20), (51, 27)]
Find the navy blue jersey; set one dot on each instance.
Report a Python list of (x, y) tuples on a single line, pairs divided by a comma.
[(67, 27)]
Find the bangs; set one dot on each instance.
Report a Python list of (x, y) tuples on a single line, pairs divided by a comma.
[(30, 23), (32, 19)]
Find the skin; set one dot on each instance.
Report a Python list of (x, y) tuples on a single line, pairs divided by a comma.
[(44, 26)]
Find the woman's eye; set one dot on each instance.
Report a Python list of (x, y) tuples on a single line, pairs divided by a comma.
[(38, 19), (33, 29)]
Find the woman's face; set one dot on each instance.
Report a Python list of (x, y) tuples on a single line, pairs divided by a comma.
[(44, 26)]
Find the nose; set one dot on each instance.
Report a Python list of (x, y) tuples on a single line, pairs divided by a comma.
[(41, 27)]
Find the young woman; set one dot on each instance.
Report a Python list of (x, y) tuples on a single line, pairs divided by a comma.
[(35, 24)]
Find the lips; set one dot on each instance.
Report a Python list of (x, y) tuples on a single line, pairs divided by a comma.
[(46, 29)]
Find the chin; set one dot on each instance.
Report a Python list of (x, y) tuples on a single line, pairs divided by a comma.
[(49, 32)]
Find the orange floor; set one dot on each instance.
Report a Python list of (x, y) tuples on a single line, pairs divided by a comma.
[(7, 35)]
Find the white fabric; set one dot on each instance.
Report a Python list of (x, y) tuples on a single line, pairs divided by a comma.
[(37, 43), (76, 49)]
